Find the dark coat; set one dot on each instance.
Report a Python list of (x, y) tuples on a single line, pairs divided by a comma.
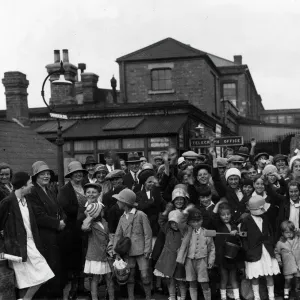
[(207, 215), (108, 200), (11, 222), (255, 239), (238, 207), (48, 214), (4, 191), (74, 238), (166, 263), (128, 181), (151, 207), (113, 214)]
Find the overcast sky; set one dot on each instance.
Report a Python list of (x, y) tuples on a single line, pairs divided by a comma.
[(96, 32)]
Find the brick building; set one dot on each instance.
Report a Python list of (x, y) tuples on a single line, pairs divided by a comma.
[(169, 92)]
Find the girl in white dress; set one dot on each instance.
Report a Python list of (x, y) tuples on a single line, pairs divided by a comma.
[(99, 246), (21, 235), (259, 247)]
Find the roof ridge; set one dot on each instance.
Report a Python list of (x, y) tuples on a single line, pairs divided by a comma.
[(220, 57), (200, 52)]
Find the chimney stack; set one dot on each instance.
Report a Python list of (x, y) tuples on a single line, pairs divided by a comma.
[(238, 59), (65, 55), (56, 56), (16, 84), (89, 86)]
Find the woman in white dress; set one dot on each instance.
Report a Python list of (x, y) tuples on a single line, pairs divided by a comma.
[(21, 238), (259, 247)]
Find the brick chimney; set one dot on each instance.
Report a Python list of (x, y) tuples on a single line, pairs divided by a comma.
[(16, 84), (89, 87), (63, 93), (238, 59)]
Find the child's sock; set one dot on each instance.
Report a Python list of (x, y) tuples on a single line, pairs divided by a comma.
[(286, 293), (182, 288), (271, 292), (255, 288), (223, 294), (207, 294), (193, 293), (172, 289), (236, 294)]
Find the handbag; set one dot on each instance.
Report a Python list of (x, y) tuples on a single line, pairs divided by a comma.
[(124, 244)]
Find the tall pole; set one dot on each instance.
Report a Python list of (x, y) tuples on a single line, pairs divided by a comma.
[(60, 155)]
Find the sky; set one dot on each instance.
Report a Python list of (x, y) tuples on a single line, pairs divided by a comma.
[(96, 32)]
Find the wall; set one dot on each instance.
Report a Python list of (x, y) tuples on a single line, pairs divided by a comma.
[(192, 80)]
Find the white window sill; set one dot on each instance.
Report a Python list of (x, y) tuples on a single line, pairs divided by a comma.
[(161, 92)]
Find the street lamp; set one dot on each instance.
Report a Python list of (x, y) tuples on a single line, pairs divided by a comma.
[(59, 140)]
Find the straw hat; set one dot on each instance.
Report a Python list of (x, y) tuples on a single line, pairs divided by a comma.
[(126, 196), (38, 167), (75, 166)]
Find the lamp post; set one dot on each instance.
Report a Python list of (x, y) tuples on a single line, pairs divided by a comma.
[(59, 140)]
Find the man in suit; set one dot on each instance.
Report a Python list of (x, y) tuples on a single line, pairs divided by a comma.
[(110, 158), (131, 180)]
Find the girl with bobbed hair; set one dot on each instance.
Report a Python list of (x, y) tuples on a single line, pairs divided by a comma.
[(295, 168)]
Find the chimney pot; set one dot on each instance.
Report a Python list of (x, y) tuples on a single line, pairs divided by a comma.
[(56, 56), (65, 55), (238, 59), (82, 67)]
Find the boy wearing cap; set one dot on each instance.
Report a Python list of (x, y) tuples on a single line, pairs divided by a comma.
[(135, 225), (197, 253)]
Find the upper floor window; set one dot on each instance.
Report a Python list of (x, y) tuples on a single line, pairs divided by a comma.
[(229, 92), (161, 79)]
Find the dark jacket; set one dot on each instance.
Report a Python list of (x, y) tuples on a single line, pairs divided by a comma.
[(4, 191), (238, 207), (151, 207), (128, 181), (48, 214), (11, 222), (108, 200), (113, 216), (255, 239), (73, 249)]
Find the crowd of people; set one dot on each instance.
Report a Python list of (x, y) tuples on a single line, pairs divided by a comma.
[(199, 223)]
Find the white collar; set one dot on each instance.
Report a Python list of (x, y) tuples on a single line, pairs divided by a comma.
[(296, 205), (264, 195), (133, 211)]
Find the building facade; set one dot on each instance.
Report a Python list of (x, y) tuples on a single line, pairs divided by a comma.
[(169, 93)]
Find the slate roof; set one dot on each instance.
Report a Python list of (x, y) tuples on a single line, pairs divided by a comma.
[(153, 125), (221, 62), (20, 147), (164, 49)]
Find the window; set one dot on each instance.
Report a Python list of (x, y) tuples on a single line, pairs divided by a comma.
[(229, 92), (281, 119), (273, 119), (83, 146), (133, 143), (161, 79), (108, 144), (289, 119)]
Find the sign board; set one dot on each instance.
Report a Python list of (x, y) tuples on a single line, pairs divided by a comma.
[(219, 142), (58, 116), (218, 130)]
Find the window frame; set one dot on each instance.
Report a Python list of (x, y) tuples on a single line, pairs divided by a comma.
[(236, 92), (159, 80)]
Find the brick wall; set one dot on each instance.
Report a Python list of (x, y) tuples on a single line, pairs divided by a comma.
[(192, 80)]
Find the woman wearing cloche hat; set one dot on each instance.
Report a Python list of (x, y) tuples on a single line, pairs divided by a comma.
[(51, 222), (72, 199), (259, 247)]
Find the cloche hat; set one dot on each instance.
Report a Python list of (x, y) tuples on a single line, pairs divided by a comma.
[(232, 171), (74, 166), (38, 167), (126, 196), (256, 205), (100, 168)]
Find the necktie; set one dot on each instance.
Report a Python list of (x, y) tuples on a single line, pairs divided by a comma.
[(135, 179)]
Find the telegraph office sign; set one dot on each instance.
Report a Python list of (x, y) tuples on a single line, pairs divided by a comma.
[(219, 142)]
